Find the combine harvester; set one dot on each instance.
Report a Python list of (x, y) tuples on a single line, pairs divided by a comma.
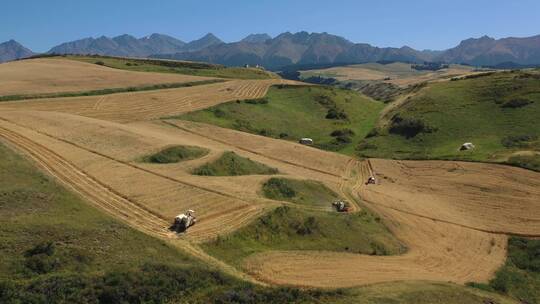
[(341, 206), (183, 221)]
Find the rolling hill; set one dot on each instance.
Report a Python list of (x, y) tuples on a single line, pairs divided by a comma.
[(497, 112)]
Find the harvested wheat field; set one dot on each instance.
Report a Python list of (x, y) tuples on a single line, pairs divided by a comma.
[(160, 195), (456, 233), (111, 152), (44, 75), (454, 217), (127, 107)]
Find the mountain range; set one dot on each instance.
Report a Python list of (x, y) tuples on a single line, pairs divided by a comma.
[(11, 50), (292, 49)]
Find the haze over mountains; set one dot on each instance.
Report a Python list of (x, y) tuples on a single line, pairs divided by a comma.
[(291, 48)]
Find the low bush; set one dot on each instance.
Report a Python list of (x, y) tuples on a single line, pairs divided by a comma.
[(335, 113), (259, 101), (231, 164), (516, 103), (518, 141), (176, 154), (342, 132), (277, 187), (408, 127)]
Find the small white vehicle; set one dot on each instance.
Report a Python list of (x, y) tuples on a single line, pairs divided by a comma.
[(183, 221)]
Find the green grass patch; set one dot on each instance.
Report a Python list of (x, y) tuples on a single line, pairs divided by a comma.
[(175, 67), (231, 164), (441, 117), (303, 192), (109, 91), (176, 154), (287, 228), (294, 112), (525, 161), (520, 276)]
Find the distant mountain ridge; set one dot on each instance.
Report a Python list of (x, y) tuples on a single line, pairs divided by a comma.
[(129, 46), (489, 51), (12, 50), (298, 48), (301, 48)]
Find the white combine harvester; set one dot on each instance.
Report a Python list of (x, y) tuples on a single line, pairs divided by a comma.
[(183, 221), (341, 206)]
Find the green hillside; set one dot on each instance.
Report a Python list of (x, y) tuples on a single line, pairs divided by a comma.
[(171, 66), (498, 113), (288, 228), (335, 119)]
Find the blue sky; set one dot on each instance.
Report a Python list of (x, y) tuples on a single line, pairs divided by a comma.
[(435, 24)]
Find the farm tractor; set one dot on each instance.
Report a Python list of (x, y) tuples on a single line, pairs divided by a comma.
[(341, 206), (183, 221)]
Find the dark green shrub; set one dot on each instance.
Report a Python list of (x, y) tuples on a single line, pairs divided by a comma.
[(335, 113), (342, 132), (516, 103), (517, 140), (408, 127), (276, 187)]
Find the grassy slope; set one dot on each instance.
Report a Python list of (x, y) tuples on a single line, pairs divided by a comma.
[(520, 276), (294, 112), (176, 154), (179, 67), (469, 110), (301, 192), (288, 228), (231, 164)]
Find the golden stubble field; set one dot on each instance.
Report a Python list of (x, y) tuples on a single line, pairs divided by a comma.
[(53, 75), (454, 217)]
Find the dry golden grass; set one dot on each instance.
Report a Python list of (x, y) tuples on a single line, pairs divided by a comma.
[(44, 75), (128, 107)]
